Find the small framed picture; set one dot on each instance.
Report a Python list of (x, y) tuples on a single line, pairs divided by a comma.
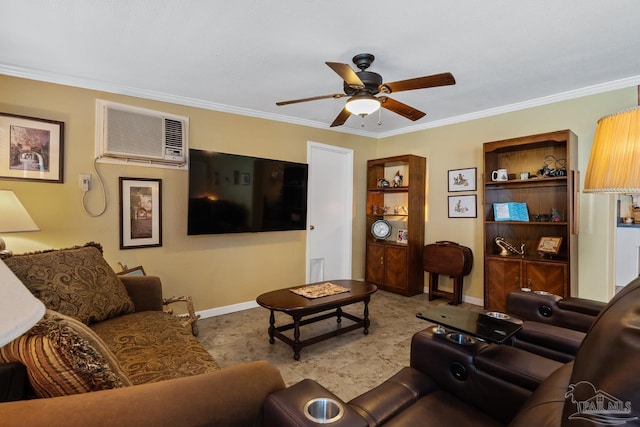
[(134, 271), (550, 245), (140, 213), (462, 180), (462, 206), (402, 237), (31, 149)]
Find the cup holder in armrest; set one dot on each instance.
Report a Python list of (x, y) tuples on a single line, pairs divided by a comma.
[(498, 315), (461, 339), (323, 410)]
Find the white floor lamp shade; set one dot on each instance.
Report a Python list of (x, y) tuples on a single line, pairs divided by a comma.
[(19, 309)]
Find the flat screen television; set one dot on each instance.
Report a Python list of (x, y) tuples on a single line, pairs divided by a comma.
[(231, 193)]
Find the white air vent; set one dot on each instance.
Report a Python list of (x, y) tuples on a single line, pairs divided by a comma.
[(126, 134)]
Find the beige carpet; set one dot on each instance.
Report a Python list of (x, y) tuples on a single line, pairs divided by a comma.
[(348, 365)]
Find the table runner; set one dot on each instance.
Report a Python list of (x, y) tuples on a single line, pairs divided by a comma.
[(319, 290)]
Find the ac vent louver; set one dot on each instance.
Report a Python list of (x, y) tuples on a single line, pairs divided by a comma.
[(126, 134)]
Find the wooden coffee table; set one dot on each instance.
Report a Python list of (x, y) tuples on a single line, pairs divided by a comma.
[(297, 307)]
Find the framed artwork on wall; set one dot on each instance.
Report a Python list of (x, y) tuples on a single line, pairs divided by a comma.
[(462, 180), (140, 213), (31, 148), (462, 206)]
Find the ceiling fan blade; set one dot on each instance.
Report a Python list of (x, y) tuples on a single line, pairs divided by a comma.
[(348, 75), (442, 79), (313, 98), (342, 117), (400, 108)]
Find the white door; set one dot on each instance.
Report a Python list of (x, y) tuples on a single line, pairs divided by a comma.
[(329, 213)]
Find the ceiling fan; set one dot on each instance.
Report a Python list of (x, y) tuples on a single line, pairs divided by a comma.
[(362, 86)]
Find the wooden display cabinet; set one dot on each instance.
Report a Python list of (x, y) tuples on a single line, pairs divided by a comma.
[(394, 266), (550, 189)]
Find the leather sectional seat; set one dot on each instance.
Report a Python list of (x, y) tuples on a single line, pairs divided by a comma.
[(449, 384)]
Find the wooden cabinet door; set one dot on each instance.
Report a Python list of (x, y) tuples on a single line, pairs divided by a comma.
[(546, 276), (375, 264), (502, 275), (396, 266)]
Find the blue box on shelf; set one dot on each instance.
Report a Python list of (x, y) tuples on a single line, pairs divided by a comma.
[(511, 211)]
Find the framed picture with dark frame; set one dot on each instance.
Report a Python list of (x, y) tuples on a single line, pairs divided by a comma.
[(31, 148), (133, 271), (463, 206), (462, 180), (140, 213)]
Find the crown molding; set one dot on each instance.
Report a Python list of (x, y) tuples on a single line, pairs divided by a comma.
[(537, 102), (85, 83)]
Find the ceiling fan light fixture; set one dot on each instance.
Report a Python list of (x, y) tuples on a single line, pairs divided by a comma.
[(363, 105)]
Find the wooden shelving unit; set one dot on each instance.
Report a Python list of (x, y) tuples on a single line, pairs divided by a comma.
[(393, 266), (542, 193)]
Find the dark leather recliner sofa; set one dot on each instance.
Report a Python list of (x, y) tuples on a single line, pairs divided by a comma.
[(480, 384)]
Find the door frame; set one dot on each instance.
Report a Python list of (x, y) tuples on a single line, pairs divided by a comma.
[(347, 193)]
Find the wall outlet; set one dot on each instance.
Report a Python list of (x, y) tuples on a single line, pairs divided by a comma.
[(85, 180)]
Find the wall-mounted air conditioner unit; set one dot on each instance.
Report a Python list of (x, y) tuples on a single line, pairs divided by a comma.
[(142, 137)]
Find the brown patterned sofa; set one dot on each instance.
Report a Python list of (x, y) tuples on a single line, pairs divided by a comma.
[(108, 335)]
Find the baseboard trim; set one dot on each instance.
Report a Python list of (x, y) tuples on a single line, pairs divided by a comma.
[(227, 309), (473, 300)]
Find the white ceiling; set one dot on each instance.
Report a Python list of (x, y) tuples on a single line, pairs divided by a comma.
[(242, 56)]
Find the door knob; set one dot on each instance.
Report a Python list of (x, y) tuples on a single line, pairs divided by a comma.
[(311, 227)]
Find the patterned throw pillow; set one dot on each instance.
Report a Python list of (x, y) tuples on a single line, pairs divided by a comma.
[(76, 282), (63, 357)]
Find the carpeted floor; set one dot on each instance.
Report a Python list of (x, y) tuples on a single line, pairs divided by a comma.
[(348, 365)]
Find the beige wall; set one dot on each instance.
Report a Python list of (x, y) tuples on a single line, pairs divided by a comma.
[(216, 270), (460, 146), (230, 269)]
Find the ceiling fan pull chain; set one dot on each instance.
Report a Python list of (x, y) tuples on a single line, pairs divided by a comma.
[(380, 117)]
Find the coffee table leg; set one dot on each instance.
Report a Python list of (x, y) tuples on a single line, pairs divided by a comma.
[(339, 314), (365, 316), (296, 337), (272, 327)]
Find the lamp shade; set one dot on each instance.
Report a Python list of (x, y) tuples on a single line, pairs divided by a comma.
[(363, 104), (14, 216), (614, 165), (19, 309)]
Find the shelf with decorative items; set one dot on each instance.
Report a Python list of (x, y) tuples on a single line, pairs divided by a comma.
[(395, 223), (530, 216)]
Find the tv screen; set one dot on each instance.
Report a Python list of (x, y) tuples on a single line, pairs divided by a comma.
[(230, 193)]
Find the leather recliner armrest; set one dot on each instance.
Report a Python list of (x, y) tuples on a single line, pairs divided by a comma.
[(560, 341), (547, 308), (515, 366), (452, 367), (392, 396), (286, 407), (582, 305)]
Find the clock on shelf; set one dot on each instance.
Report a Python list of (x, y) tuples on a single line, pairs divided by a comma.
[(381, 229)]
